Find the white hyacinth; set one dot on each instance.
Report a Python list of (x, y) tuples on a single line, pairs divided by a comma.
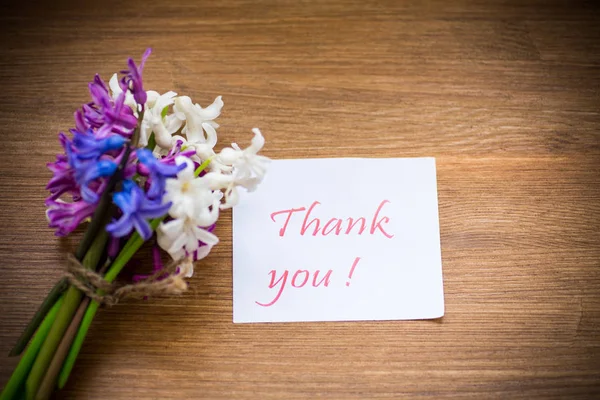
[(195, 200), (247, 169)]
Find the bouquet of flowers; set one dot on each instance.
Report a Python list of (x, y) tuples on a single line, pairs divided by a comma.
[(139, 167)]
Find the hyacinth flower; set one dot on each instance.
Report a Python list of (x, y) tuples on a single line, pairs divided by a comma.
[(200, 126), (66, 217), (132, 79), (156, 121), (140, 167), (175, 151), (63, 178), (203, 249), (84, 156), (137, 208), (90, 146), (248, 169), (102, 111), (76, 173), (182, 236), (158, 172)]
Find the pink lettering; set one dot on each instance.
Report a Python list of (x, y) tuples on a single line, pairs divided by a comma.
[(296, 275), (315, 220), (287, 220), (325, 278), (273, 284), (333, 225), (299, 280), (352, 224), (383, 219), (337, 226)]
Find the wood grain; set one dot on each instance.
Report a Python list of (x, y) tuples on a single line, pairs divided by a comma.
[(504, 94)]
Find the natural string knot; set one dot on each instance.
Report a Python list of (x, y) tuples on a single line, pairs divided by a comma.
[(168, 281)]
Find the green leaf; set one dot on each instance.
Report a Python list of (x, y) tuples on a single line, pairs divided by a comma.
[(15, 384), (151, 142), (72, 299), (164, 112), (39, 316), (201, 167), (132, 245)]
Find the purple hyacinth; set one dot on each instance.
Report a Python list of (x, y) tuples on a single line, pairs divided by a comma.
[(65, 217), (103, 112), (91, 113), (176, 151), (63, 179), (120, 117), (133, 79), (158, 172), (102, 127), (137, 209), (99, 92), (80, 122)]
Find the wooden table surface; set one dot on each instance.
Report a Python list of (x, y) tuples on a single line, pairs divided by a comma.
[(504, 94)]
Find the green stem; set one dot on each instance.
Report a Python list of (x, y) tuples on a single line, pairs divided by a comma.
[(132, 245), (69, 363), (37, 319), (135, 138), (65, 315), (98, 221), (103, 210), (49, 381), (202, 167), (20, 373), (151, 142)]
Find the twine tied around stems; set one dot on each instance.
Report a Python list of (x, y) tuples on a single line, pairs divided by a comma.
[(166, 282)]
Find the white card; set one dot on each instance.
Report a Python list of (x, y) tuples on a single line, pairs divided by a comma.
[(339, 240)]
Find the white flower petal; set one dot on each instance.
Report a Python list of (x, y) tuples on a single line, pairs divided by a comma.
[(258, 141), (172, 228), (178, 244), (207, 237), (113, 84), (152, 97), (231, 198), (172, 123), (161, 101), (211, 134), (202, 252), (213, 111), (216, 180), (228, 156), (204, 151)]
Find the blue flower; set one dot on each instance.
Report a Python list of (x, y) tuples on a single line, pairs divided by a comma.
[(94, 170), (88, 146), (83, 155), (158, 171), (137, 209)]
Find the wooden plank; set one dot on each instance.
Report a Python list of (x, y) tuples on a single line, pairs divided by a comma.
[(504, 95)]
